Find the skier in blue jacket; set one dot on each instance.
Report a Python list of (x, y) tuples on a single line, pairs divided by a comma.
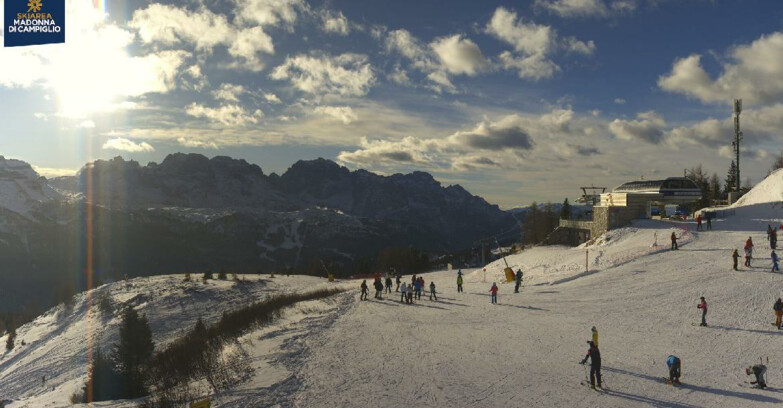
[(673, 362)]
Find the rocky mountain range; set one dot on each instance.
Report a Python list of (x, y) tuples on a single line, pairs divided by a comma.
[(192, 213)]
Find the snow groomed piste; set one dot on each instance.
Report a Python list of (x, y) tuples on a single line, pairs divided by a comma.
[(462, 351)]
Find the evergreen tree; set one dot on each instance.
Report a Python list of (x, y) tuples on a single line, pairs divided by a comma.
[(565, 212), (9, 344), (207, 275), (133, 351), (778, 164), (715, 190), (222, 274), (731, 178)]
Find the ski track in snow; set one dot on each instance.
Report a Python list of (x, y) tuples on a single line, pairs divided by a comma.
[(461, 351)]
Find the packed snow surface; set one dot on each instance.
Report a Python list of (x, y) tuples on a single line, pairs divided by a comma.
[(462, 351)]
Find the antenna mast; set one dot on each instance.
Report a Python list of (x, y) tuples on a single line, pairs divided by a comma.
[(737, 137)]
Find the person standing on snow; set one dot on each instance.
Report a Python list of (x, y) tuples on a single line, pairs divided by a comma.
[(519, 280), (778, 308), (673, 362), (748, 251), (774, 257), (595, 335), (703, 307), (388, 284), (774, 239), (378, 288), (595, 364), (758, 370), (398, 280), (459, 283), (364, 290), (493, 297), (674, 241), (735, 255), (432, 291), (698, 223), (404, 291)]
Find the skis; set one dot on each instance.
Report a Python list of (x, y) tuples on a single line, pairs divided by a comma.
[(666, 380), (596, 389)]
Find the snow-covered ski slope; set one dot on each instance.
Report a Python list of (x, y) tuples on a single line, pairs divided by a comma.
[(461, 351)]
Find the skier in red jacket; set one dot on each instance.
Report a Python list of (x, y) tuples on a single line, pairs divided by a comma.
[(703, 307)]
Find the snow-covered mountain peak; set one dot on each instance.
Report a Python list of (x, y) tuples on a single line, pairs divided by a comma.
[(22, 189), (770, 190)]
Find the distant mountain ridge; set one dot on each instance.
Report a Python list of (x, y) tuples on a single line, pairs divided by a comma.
[(191, 213)]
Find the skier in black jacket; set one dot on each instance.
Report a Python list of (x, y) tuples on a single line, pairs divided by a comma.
[(364, 290), (595, 364)]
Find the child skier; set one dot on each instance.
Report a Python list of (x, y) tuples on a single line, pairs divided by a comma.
[(758, 370), (432, 291), (703, 307), (774, 257), (493, 297), (364, 290), (735, 255), (404, 292), (595, 364), (673, 362), (378, 288), (778, 308), (519, 280), (459, 283), (748, 251)]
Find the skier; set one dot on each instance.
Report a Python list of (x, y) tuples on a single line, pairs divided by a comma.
[(432, 291), (595, 335), (778, 308), (378, 288), (388, 284), (674, 241), (595, 364), (673, 362), (735, 255), (774, 239), (774, 257), (703, 307), (459, 283), (769, 236), (417, 289), (364, 290), (698, 223), (748, 251), (421, 287), (709, 221), (398, 280), (519, 280), (493, 297), (409, 295), (404, 292), (758, 370)]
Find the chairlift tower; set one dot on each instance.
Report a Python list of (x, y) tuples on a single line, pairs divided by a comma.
[(737, 137)]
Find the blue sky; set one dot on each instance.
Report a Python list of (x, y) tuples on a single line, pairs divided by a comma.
[(516, 101)]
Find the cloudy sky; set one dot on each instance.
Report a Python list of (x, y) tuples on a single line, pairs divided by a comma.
[(515, 100)]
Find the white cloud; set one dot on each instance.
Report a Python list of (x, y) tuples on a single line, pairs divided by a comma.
[(345, 74), (404, 43), (126, 145), (532, 45), (335, 22), (193, 143), (80, 88), (86, 124), (619, 101), (573, 45), (755, 73), (459, 55), (50, 172), (228, 115), (270, 12), (228, 92), (649, 127), (527, 38), (399, 75), (342, 113), (169, 25), (272, 98), (587, 8)]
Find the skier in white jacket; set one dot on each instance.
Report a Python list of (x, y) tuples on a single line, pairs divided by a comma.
[(403, 291)]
